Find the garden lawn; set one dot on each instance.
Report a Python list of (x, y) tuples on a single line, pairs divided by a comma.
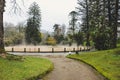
[(29, 69), (106, 62)]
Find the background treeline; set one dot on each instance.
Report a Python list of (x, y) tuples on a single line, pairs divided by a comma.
[(93, 23), (99, 21), (13, 35)]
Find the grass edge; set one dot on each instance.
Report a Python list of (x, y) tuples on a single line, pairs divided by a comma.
[(105, 77), (40, 76)]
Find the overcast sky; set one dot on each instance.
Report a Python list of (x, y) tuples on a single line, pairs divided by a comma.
[(52, 11)]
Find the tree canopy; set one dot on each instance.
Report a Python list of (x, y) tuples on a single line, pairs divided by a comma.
[(32, 35)]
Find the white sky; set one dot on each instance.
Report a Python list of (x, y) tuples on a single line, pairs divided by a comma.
[(52, 11)]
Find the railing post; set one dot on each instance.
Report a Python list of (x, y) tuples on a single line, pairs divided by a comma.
[(80, 49), (76, 52), (24, 49), (64, 49), (12, 49), (84, 49), (38, 49), (73, 49), (87, 48), (52, 50)]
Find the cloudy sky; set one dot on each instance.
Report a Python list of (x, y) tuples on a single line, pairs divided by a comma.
[(52, 11)]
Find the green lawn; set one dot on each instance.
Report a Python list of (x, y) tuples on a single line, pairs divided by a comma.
[(106, 62), (29, 69)]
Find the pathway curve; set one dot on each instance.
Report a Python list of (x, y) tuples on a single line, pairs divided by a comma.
[(68, 69)]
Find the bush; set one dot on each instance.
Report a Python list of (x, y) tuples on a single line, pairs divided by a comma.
[(102, 41), (58, 38), (79, 38), (8, 42), (50, 41), (12, 36)]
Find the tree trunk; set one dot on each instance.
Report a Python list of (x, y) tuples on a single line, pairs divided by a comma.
[(2, 5), (116, 24), (109, 13), (87, 22), (113, 21)]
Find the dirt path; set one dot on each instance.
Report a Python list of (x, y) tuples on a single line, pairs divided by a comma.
[(68, 69)]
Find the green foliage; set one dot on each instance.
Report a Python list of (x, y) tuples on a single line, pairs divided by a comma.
[(102, 41), (106, 62), (31, 68), (70, 39), (59, 33), (73, 21), (18, 38), (50, 41), (96, 18), (32, 34), (118, 40), (2, 50), (79, 38), (8, 42), (72, 26), (91, 43), (14, 57), (59, 38), (14, 39), (12, 36), (66, 40)]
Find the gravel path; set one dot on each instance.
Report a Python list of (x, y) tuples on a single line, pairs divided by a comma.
[(68, 69)]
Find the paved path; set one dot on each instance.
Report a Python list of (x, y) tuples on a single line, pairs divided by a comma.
[(68, 69)]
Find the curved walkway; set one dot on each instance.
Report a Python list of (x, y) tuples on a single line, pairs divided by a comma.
[(68, 69)]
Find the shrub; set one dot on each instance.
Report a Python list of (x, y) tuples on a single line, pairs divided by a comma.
[(79, 38), (8, 42), (102, 41), (50, 41)]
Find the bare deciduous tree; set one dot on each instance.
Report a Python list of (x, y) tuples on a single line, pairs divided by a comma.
[(2, 6)]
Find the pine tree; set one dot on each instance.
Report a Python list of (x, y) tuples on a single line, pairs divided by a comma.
[(100, 19), (84, 10), (32, 33), (73, 15)]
